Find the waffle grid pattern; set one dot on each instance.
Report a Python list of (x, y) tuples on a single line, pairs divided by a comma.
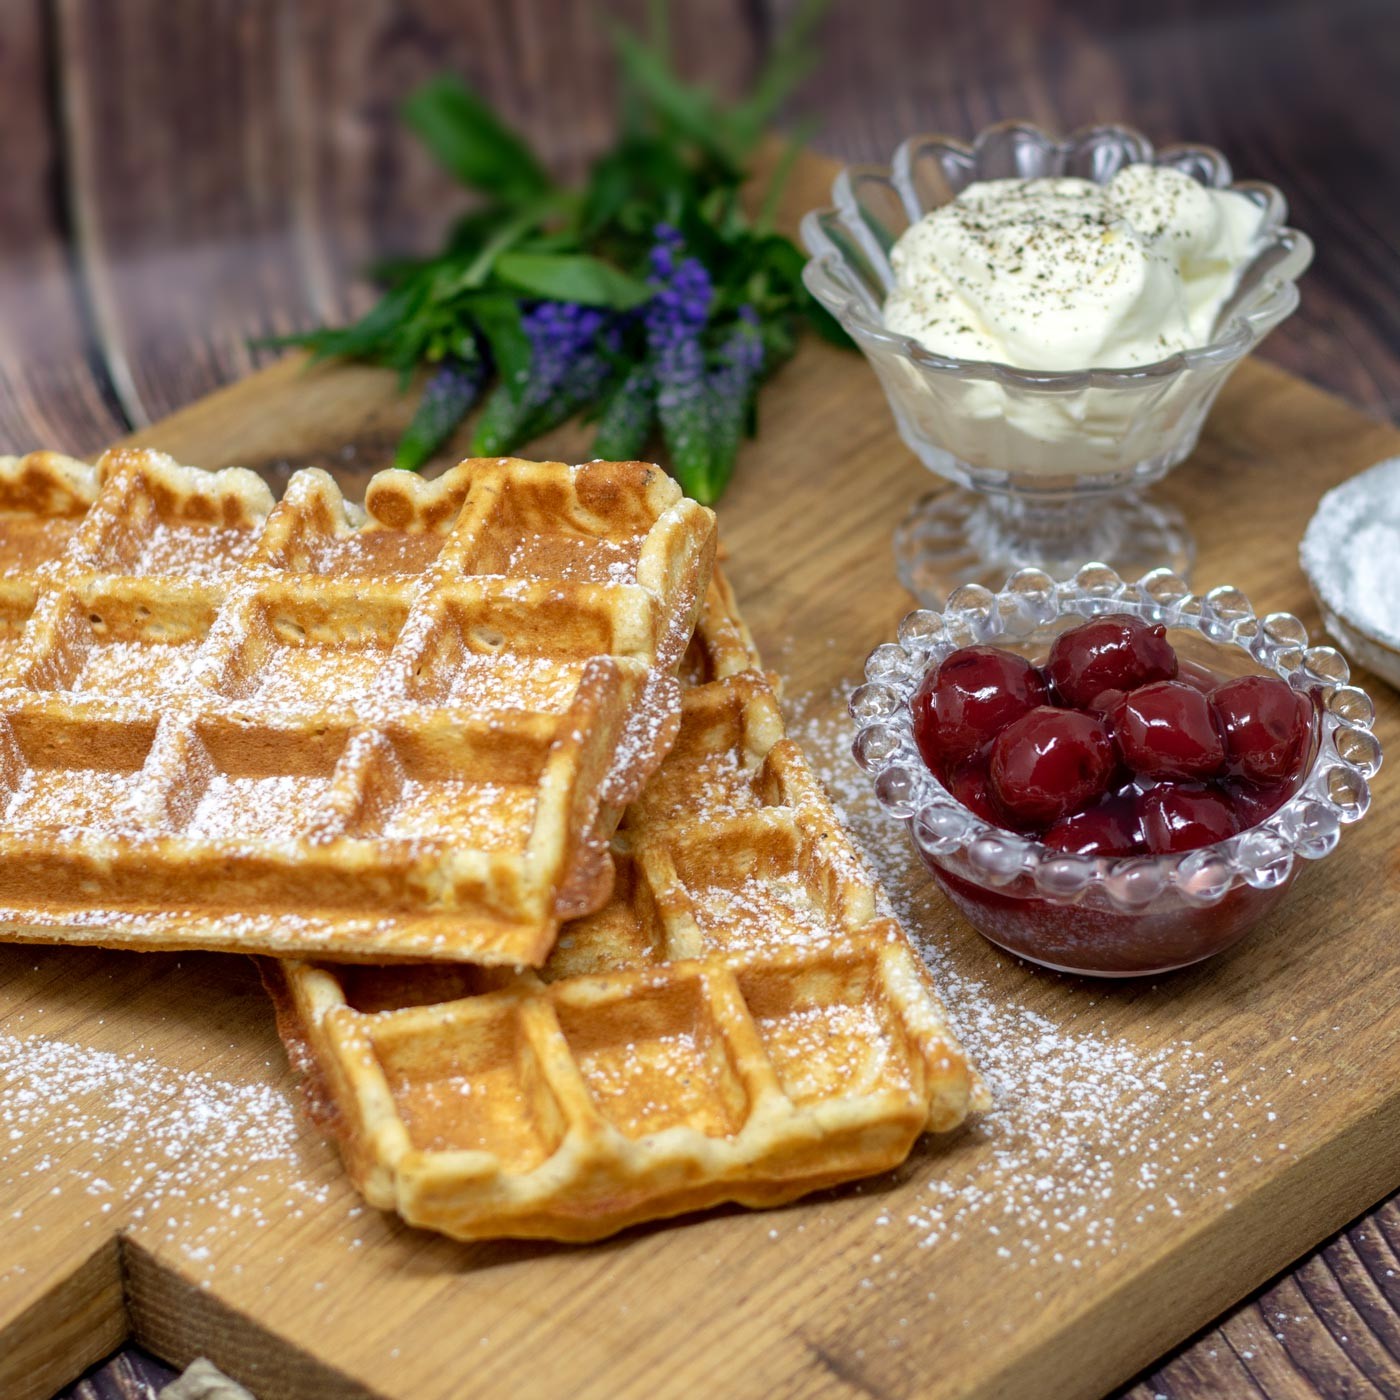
[(739, 1023), (302, 726)]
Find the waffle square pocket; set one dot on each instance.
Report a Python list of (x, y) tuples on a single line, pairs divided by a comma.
[(740, 1021), (397, 731)]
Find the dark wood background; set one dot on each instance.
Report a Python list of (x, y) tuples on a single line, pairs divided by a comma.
[(178, 178)]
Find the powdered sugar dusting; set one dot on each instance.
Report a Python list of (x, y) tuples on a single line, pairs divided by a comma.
[(49, 798), (190, 551), (1351, 551), (810, 1046), (762, 911), (576, 559), (280, 804), (298, 677), (662, 1081), (188, 1153), (1089, 1130), (134, 667), (542, 684), (498, 814)]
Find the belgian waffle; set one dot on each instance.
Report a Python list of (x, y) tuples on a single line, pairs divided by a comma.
[(397, 731), (739, 1023)]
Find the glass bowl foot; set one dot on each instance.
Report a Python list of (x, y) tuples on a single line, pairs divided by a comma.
[(953, 537)]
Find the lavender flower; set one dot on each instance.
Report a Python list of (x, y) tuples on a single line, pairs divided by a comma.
[(675, 318), (571, 358), (731, 386), (561, 333), (702, 405), (626, 421), (697, 380), (448, 395)]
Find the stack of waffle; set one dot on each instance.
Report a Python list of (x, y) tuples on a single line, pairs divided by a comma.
[(560, 941)]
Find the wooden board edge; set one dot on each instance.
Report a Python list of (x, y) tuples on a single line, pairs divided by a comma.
[(1072, 1361), (177, 1320), (1210, 1271), (365, 400), (75, 1324), (291, 390)]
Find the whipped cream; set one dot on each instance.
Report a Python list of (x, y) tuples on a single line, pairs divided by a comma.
[(1065, 274)]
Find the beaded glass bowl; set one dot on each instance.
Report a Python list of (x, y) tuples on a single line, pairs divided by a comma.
[(1053, 459), (1099, 915)]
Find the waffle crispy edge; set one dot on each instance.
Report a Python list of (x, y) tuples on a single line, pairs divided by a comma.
[(485, 1105), (207, 582)]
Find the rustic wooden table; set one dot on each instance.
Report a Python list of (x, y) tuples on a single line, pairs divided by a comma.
[(176, 179)]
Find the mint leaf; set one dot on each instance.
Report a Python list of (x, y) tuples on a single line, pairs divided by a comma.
[(473, 143), (571, 277), (501, 425), (688, 110)]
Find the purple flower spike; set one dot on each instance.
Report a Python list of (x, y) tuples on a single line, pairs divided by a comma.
[(674, 318), (570, 361), (702, 400), (559, 332)]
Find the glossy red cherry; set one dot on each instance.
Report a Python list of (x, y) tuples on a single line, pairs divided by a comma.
[(1256, 803), (1051, 762), (1108, 828), (1193, 673), (1105, 702), (1267, 727), (1113, 652), (1168, 730), (1177, 818), (971, 783), (972, 696)]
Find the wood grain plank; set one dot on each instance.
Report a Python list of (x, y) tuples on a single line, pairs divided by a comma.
[(1328, 1327), (236, 165), (53, 390), (180, 170)]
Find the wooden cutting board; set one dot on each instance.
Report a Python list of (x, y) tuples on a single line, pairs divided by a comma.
[(1158, 1150)]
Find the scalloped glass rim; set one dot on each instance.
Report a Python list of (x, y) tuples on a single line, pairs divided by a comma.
[(884, 744), (829, 280)]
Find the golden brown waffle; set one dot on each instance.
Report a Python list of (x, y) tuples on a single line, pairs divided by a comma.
[(738, 1024), (402, 731)]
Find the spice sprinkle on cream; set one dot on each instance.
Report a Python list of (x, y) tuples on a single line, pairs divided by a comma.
[(1059, 273)]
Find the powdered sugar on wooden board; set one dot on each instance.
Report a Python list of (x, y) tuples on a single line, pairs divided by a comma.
[(1089, 1130), (195, 1157)]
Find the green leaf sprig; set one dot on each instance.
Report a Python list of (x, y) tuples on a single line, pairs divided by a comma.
[(646, 299)]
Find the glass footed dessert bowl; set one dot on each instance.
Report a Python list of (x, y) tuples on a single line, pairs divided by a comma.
[(1117, 915), (1050, 464)]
